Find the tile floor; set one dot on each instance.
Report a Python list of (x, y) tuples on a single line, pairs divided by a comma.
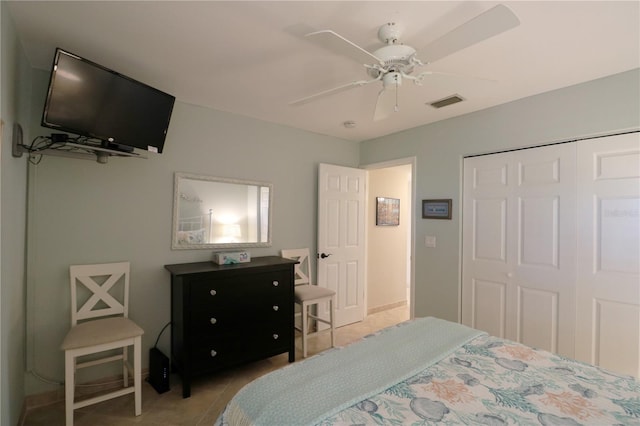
[(209, 394)]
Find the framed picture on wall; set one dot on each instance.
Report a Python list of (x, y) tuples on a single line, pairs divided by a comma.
[(387, 211), (436, 209)]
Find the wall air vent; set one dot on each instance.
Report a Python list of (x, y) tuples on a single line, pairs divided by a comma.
[(449, 100)]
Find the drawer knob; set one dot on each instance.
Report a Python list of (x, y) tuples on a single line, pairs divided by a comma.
[(275, 283), (275, 307), (213, 320), (275, 337), (213, 292), (213, 353)]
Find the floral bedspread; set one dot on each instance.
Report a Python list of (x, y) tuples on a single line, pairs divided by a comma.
[(490, 381)]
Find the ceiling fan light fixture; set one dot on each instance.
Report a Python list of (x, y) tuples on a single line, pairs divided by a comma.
[(392, 78)]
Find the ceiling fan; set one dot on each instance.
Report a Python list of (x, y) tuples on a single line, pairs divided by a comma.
[(395, 62)]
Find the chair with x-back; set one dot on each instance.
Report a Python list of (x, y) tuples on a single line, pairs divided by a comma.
[(307, 295), (99, 323)]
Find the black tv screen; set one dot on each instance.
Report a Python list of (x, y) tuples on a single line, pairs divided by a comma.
[(93, 101)]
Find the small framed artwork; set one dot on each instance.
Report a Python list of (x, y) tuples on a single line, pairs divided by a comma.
[(436, 209), (387, 211)]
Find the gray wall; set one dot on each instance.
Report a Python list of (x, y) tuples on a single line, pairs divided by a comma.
[(13, 176), (85, 212), (600, 106)]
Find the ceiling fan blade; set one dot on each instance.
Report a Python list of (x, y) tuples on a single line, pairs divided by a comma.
[(332, 91), (336, 43), (488, 24), (386, 103)]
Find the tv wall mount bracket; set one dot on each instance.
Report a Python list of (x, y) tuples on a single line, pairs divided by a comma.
[(63, 146)]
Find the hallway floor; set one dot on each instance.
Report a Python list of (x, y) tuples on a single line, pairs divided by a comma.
[(209, 394)]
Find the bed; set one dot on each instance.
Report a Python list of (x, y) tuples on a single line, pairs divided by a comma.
[(428, 371), (194, 230)]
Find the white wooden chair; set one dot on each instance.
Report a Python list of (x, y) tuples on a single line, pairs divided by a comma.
[(99, 323), (307, 295)]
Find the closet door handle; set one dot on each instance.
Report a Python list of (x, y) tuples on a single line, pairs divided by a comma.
[(275, 283), (213, 320), (213, 292), (275, 308), (275, 337), (213, 353)]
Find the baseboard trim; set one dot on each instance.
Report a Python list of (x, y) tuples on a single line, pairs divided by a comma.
[(386, 307)]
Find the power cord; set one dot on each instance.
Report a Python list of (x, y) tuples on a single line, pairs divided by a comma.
[(160, 334), (58, 142)]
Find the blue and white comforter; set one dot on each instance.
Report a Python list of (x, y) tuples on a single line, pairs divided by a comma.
[(482, 380)]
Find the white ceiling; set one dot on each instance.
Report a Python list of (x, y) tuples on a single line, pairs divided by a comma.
[(251, 58)]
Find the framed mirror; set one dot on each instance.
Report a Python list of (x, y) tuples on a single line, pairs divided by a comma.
[(219, 213)]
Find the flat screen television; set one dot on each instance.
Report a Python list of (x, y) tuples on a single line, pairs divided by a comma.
[(96, 102)]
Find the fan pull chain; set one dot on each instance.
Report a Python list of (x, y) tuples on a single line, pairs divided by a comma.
[(396, 108)]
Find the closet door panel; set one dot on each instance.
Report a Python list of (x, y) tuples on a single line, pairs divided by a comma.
[(538, 318), (490, 229), (613, 348), (608, 316), (486, 220), (519, 246), (538, 239), (617, 220), (489, 306), (545, 234)]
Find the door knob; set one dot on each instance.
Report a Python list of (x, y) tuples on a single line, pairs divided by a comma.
[(324, 255)]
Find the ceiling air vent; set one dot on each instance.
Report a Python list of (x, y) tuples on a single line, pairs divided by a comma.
[(450, 100)]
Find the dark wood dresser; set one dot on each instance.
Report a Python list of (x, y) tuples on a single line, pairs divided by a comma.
[(225, 315)]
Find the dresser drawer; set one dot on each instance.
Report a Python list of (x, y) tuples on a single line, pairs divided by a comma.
[(230, 317), (211, 352), (245, 290)]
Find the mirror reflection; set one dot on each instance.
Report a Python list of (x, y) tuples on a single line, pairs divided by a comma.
[(211, 212)]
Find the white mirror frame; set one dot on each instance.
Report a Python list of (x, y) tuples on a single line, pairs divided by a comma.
[(178, 198)]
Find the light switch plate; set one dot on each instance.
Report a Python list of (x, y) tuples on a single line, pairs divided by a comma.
[(429, 241)]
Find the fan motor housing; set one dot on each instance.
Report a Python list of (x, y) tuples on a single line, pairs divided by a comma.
[(389, 33), (396, 58)]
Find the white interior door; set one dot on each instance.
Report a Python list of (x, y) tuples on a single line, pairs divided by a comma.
[(608, 316), (519, 246), (341, 239)]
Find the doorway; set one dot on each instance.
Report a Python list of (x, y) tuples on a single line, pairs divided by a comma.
[(389, 247)]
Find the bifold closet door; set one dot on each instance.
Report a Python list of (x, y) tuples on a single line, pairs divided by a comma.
[(608, 291), (519, 236)]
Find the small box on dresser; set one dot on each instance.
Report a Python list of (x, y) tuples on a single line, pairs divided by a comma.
[(229, 258), (226, 315)]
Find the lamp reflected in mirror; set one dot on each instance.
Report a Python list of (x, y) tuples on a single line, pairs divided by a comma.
[(232, 233)]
